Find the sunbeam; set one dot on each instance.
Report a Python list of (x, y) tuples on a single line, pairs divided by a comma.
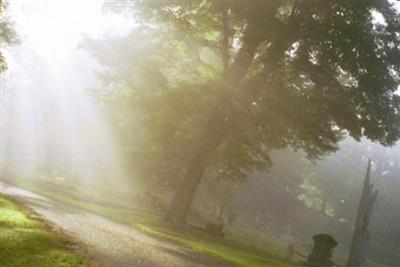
[(53, 126)]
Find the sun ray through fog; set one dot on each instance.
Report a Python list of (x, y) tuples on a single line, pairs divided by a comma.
[(55, 121)]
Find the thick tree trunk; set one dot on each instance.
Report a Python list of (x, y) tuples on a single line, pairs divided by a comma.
[(216, 130), (213, 135), (218, 127)]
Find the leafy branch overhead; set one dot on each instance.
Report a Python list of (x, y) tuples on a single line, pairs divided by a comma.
[(7, 33), (305, 72), (243, 78)]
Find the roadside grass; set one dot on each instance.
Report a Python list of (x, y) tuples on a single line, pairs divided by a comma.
[(229, 251), (26, 242)]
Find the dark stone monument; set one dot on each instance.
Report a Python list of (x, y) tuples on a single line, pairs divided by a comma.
[(322, 252)]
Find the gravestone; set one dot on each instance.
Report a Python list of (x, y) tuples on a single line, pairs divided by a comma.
[(322, 252)]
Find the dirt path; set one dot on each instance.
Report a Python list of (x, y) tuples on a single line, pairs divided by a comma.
[(109, 244)]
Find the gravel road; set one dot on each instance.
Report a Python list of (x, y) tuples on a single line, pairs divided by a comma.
[(108, 244)]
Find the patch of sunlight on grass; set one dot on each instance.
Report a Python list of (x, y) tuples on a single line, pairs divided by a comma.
[(235, 254), (26, 242), (10, 216)]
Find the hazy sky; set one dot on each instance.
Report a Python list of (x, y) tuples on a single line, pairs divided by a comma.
[(47, 105), (53, 28)]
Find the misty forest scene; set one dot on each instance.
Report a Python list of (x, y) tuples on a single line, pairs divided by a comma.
[(196, 133)]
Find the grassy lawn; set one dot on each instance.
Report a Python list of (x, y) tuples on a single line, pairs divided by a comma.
[(26, 242), (228, 251)]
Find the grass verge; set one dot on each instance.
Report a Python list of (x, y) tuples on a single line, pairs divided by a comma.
[(27, 242), (231, 252)]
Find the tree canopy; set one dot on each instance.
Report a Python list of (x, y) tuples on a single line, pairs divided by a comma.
[(7, 34), (242, 78)]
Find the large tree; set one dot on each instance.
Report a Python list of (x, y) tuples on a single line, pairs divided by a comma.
[(7, 34), (297, 73)]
